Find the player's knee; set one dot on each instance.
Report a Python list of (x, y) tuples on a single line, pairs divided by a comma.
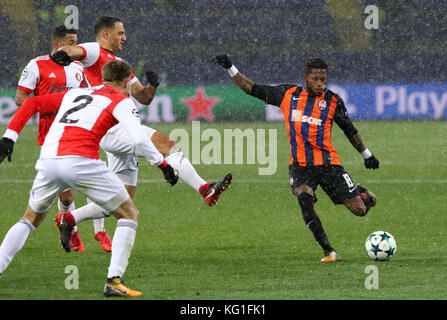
[(34, 218), (66, 201), (305, 199), (357, 207)]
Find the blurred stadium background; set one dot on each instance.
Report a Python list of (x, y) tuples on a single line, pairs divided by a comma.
[(268, 40), (254, 244)]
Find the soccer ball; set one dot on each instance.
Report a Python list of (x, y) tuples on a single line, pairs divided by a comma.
[(380, 246)]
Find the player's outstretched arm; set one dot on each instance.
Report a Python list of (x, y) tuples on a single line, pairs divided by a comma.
[(272, 95), (370, 161), (239, 79), (31, 106), (145, 95), (73, 52)]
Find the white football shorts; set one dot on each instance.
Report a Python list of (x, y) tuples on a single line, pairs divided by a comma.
[(122, 157), (90, 177)]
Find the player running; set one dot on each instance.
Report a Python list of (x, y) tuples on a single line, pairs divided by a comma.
[(69, 158), (43, 76), (110, 37), (309, 113)]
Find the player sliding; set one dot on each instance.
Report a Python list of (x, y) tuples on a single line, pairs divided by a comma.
[(309, 113), (69, 158)]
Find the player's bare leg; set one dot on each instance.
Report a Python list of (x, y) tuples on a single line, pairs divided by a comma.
[(66, 199), (174, 156), (130, 190), (17, 235), (305, 196)]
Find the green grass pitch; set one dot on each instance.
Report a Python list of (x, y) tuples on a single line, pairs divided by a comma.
[(253, 244)]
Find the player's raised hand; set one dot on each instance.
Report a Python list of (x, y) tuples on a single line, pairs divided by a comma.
[(223, 61), (152, 78), (61, 58), (372, 163), (6, 148)]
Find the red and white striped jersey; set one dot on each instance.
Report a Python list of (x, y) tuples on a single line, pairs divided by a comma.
[(94, 59), (44, 76), (83, 117)]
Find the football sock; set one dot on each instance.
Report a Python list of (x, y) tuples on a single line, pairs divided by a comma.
[(98, 224), (63, 208), (312, 221), (367, 202), (203, 189), (186, 171), (14, 240), (122, 245), (89, 211)]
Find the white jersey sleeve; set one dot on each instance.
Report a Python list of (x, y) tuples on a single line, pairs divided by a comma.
[(30, 77), (126, 113), (133, 80), (91, 53)]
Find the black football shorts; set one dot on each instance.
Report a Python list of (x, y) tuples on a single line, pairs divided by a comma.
[(333, 179)]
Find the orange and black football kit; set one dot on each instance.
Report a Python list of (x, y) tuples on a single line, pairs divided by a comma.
[(308, 119)]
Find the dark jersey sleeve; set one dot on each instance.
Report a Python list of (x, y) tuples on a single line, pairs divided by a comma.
[(270, 94), (342, 119)]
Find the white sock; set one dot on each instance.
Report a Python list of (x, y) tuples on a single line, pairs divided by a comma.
[(88, 212), (98, 224), (14, 241), (70, 208), (186, 171), (122, 245), (64, 208)]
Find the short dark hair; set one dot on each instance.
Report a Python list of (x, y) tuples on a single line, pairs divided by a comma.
[(60, 32), (116, 70), (314, 63), (104, 22)]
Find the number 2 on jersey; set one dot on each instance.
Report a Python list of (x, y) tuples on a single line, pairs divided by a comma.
[(87, 100)]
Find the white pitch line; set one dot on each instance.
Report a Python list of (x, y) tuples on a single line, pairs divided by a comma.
[(266, 181)]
